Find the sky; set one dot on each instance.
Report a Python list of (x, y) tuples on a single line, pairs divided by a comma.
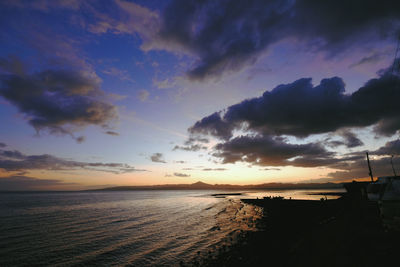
[(110, 93)]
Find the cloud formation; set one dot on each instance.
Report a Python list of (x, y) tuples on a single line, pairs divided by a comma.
[(178, 174), (301, 109), (193, 143), (143, 95), (214, 169), (112, 133), (227, 35), (350, 140), (13, 160), (390, 148), (22, 183), (358, 168), (269, 151), (157, 157), (57, 101)]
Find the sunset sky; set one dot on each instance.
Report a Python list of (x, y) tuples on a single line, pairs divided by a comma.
[(105, 93)]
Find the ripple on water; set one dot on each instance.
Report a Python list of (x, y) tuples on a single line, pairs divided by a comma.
[(116, 228)]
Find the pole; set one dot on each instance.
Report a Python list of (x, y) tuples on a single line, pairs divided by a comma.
[(391, 162), (369, 168)]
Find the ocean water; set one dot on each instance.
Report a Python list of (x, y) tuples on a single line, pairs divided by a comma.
[(137, 228), (126, 228)]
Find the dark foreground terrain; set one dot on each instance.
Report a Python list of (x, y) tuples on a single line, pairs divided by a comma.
[(342, 232)]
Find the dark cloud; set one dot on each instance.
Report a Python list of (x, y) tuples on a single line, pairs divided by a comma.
[(11, 154), (193, 143), (214, 169), (270, 169), (196, 139), (12, 160), (213, 125), (2, 145), (178, 174), (80, 139), (390, 148), (25, 183), (112, 133), (371, 59), (195, 147), (180, 161), (58, 101), (227, 35), (301, 109), (359, 168), (380, 160), (269, 151), (157, 157), (351, 140)]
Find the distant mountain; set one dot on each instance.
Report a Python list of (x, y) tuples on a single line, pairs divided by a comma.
[(204, 186)]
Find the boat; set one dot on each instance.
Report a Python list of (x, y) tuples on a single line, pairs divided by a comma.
[(383, 192), (386, 192)]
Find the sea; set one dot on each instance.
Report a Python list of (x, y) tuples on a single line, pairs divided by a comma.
[(124, 228)]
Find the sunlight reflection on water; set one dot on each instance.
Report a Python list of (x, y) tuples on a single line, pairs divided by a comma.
[(121, 228), (113, 228)]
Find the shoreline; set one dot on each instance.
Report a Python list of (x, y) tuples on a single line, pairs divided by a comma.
[(340, 232)]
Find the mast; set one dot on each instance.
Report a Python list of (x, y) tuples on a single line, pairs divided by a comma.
[(369, 168), (391, 162)]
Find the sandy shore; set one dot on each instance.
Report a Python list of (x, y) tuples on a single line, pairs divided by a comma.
[(340, 232)]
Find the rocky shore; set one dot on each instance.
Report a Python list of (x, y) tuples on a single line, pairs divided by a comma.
[(341, 232)]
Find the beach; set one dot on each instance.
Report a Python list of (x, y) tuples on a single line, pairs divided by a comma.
[(341, 232)]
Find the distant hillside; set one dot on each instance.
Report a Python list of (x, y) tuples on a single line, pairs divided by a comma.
[(203, 186)]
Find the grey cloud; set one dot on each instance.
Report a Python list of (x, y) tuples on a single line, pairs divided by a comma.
[(12, 160), (2, 145), (270, 169), (195, 147), (196, 139), (359, 169), (193, 143), (58, 101), (130, 18), (180, 161), (143, 95), (356, 166), (390, 148), (26, 183), (227, 35), (118, 73), (157, 157), (112, 133), (351, 140), (214, 169), (45, 5), (80, 139), (371, 59), (301, 109), (178, 174), (11, 154), (269, 151), (12, 64), (213, 125)]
